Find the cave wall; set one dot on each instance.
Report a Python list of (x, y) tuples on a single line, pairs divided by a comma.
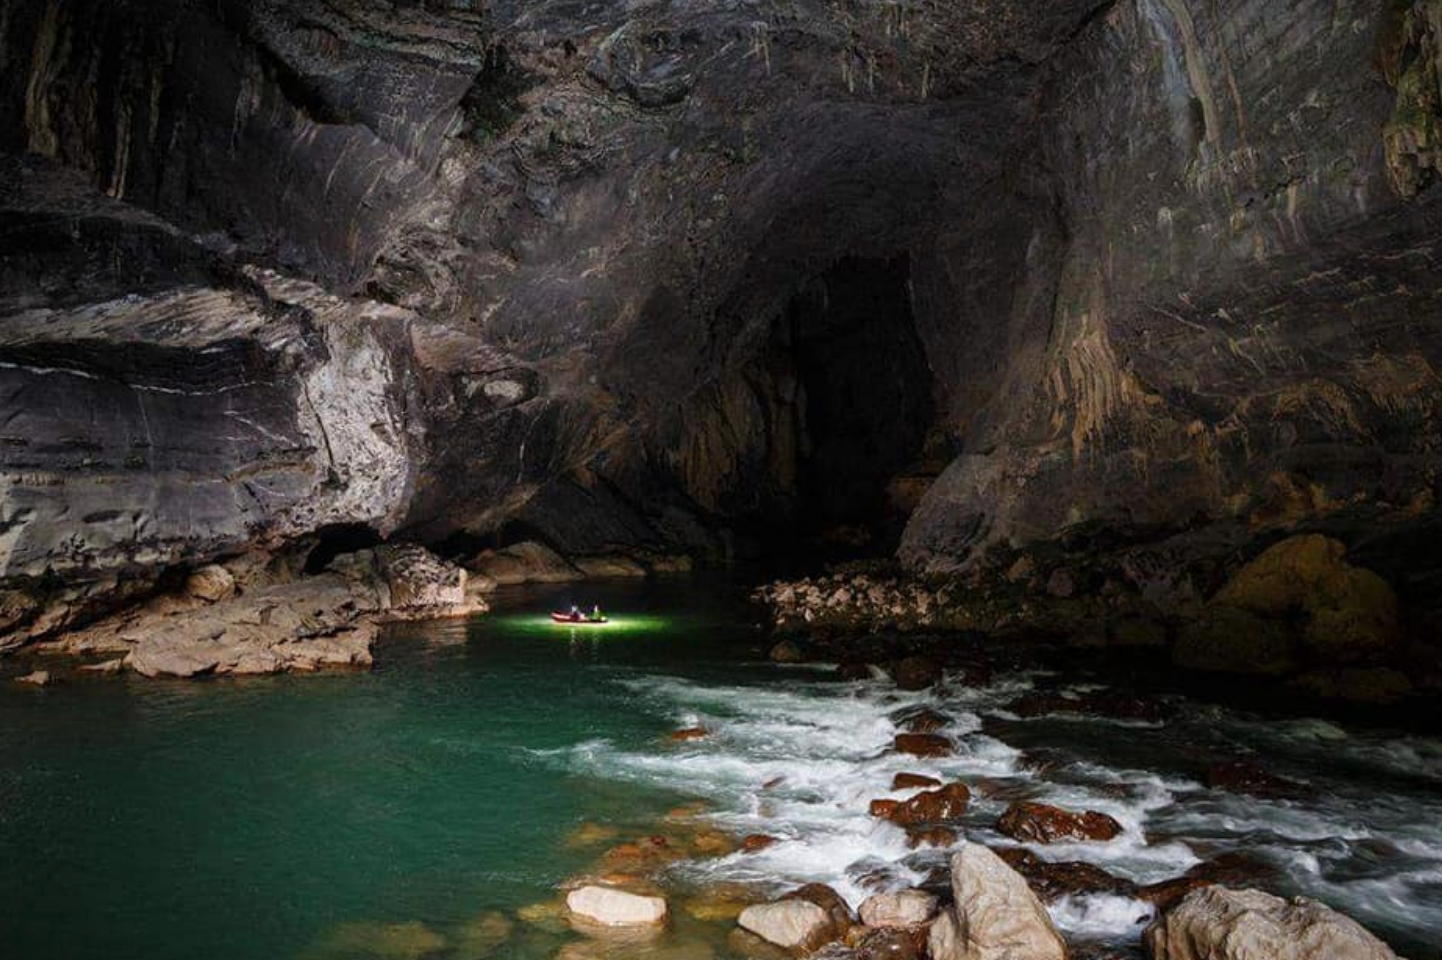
[(1168, 261), (1243, 323)]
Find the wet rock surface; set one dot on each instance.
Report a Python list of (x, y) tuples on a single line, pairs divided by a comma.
[(1221, 924)]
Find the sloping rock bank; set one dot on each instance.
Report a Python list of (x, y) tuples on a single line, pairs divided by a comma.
[(1298, 612), (243, 618)]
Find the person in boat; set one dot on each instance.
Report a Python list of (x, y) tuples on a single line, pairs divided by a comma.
[(596, 613), (575, 613)]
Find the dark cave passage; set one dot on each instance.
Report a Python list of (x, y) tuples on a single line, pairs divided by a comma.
[(863, 403)]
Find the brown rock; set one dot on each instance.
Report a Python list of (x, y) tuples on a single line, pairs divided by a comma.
[(883, 808), (1043, 823), (924, 745), (887, 945), (757, 841), (1244, 776), (1228, 640), (1052, 881), (829, 900), (787, 652), (930, 837), (945, 805), (37, 678), (210, 583), (916, 673), (910, 781), (924, 721), (690, 733)]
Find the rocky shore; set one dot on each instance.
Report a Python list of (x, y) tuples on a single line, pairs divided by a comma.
[(1297, 613), (978, 901)]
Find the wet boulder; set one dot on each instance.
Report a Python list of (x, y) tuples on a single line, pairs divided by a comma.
[(1245, 776), (903, 909), (916, 673), (887, 944), (36, 678), (615, 908), (932, 836), (923, 721), (995, 915), (689, 733), (419, 580), (911, 781), (1226, 639), (1216, 923), (756, 842), (924, 745), (944, 805), (1348, 613), (842, 919), (1043, 823), (796, 925), (787, 652), (1052, 880)]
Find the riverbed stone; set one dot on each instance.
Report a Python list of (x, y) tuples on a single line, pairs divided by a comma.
[(904, 908), (615, 908), (35, 678), (1216, 923), (995, 915), (943, 805), (796, 925), (1043, 823), (911, 781), (923, 745)]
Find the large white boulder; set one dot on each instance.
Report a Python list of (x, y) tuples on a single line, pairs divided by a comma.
[(615, 908), (996, 916), (1215, 923), (791, 924), (906, 908)]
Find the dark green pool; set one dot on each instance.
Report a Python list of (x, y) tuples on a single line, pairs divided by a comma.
[(254, 818)]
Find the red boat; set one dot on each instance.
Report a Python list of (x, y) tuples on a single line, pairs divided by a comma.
[(576, 620)]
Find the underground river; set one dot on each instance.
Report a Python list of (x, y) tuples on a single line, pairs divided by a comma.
[(433, 806)]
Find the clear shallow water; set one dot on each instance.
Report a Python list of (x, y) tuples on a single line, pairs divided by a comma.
[(391, 814)]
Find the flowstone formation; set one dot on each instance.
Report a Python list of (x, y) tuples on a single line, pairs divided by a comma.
[(635, 281)]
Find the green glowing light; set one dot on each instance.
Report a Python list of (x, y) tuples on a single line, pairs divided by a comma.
[(614, 625)]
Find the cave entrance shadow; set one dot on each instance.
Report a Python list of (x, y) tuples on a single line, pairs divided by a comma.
[(862, 412)]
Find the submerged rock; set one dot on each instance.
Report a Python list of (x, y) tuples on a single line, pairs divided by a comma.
[(36, 678), (615, 908), (909, 781), (1044, 823), (995, 915), (1220, 924)]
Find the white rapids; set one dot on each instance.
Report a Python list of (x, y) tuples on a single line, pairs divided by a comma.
[(1364, 837)]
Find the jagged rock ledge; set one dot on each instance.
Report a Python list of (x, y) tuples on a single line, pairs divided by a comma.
[(1298, 613)]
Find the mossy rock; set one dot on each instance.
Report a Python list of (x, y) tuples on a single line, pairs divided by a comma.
[(1346, 614), (1231, 640)]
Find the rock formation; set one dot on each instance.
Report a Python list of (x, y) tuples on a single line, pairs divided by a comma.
[(657, 280)]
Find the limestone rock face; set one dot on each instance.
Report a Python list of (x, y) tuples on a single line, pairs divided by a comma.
[(418, 579), (211, 582), (995, 916), (619, 281), (1216, 923), (615, 908), (527, 562)]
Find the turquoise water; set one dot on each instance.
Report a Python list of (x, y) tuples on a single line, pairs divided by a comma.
[(425, 809), (255, 818)]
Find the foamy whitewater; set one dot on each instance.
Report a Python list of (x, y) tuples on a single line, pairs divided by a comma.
[(1364, 838)]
